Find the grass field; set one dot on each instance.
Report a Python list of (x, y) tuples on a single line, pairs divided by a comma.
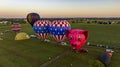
[(34, 53)]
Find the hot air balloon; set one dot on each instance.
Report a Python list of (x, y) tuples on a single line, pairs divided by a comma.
[(41, 28), (105, 57), (16, 27), (58, 29), (22, 36), (77, 39), (32, 17)]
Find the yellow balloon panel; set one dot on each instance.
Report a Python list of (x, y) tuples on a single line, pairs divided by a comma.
[(22, 36)]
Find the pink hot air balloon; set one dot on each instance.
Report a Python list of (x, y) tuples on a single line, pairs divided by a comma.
[(77, 39), (58, 29), (16, 27), (41, 28)]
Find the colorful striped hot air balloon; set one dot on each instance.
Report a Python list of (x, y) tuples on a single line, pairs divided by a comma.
[(58, 29), (41, 28), (32, 18), (16, 27)]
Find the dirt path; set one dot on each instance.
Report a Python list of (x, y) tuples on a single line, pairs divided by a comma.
[(53, 59)]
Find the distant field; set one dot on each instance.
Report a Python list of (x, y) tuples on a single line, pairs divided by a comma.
[(34, 53)]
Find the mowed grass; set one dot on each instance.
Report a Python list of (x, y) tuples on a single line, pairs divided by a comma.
[(34, 52)]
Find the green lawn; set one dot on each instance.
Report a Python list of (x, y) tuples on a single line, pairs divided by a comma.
[(34, 53)]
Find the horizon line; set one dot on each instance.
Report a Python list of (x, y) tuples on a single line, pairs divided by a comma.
[(68, 17)]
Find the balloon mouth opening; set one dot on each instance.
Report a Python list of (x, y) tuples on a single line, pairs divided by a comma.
[(74, 45)]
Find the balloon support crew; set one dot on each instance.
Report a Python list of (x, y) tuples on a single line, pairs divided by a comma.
[(103, 46), (62, 43)]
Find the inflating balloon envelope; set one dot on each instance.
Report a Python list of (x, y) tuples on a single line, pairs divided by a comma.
[(16, 27), (58, 29), (105, 58), (41, 28), (77, 39), (22, 36)]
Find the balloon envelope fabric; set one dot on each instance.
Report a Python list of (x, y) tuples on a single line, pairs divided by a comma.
[(22, 36), (58, 29), (16, 27), (32, 17), (41, 28)]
